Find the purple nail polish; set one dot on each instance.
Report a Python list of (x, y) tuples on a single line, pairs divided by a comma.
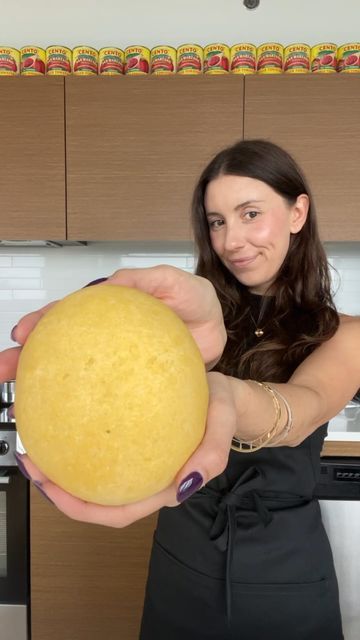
[(21, 465), (189, 485), (12, 335), (97, 281), (38, 485)]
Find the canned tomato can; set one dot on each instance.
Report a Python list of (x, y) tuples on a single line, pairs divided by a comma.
[(32, 61), (163, 60), (243, 58), (111, 61), (85, 61), (216, 58), (137, 60), (323, 58), (190, 59), (297, 58), (58, 60), (270, 58), (9, 61), (348, 58)]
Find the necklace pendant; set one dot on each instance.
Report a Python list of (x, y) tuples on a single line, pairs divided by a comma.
[(259, 333)]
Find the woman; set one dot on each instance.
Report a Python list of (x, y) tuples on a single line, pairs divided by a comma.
[(246, 555)]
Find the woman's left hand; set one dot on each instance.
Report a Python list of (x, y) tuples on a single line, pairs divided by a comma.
[(207, 462)]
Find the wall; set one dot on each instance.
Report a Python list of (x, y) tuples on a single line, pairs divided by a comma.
[(115, 22), (30, 278)]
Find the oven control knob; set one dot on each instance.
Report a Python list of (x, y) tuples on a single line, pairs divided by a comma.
[(4, 447)]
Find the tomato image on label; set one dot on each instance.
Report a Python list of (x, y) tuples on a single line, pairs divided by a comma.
[(352, 59)]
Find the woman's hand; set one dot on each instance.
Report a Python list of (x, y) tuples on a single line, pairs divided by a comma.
[(207, 462), (191, 297)]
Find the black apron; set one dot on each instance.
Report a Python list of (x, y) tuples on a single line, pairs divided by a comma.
[(247, 556)]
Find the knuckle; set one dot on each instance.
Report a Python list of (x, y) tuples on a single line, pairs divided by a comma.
[(216, 462)]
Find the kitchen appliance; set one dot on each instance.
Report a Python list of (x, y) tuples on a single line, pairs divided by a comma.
[(339, 493), (14, 530)]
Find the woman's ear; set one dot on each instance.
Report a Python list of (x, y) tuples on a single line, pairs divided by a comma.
[(299, 213)]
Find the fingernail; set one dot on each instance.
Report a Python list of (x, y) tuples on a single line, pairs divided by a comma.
[(38, 485), (189, 485), (97, 281), (21, 465), (12, 335)]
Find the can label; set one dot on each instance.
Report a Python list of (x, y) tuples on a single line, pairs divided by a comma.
[(32, 61), (58, 61), (270, 57), (85, 61), (163, 60), (190, 59), (297, 58), (111, 61), (9, 61), (216, 59), (137, 60), (323, 58), (348, 58), (243, 58)]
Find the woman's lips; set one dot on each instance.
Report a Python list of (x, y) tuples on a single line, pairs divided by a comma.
[(242, 262)]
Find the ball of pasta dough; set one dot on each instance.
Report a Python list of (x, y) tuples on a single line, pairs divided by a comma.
[(111, 394)]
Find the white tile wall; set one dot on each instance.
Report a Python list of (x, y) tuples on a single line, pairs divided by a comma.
[(30, 277)]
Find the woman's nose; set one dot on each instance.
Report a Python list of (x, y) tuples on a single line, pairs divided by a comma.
[(234, 238)]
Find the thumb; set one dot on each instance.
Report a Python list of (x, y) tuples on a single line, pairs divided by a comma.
[(211, 457)]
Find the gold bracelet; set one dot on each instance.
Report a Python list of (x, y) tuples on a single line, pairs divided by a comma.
[(289, 422), (256, 444)]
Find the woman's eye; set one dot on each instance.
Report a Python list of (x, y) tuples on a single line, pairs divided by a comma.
[(215, 224), (251, 215)]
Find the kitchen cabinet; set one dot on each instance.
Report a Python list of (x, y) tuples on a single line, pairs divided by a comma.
[(87, 581), (135, 148), (32, 176), (316, 118)]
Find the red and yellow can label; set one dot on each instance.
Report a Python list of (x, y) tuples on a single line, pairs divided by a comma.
[(58, 60), (9, 61), (216, 59), (270, 58), (85, 61), (163, 60), (111, 61), (32, 61), (323, 58), (348, 58), (137, 60), (243, 58), (297, 58), (190, 59)]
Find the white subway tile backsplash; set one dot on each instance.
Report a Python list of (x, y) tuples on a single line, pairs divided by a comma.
[(31, 278)]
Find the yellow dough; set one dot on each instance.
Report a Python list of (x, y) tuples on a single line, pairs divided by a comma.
[(111, 394)]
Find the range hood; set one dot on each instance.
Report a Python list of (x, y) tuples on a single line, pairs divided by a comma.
[(42, 243)]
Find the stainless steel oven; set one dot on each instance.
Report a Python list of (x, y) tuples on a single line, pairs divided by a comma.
[(14, 530)]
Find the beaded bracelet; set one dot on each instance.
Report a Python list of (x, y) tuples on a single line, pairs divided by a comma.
[(256, 444)]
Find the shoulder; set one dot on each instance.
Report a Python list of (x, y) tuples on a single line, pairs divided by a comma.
[(348, 329)]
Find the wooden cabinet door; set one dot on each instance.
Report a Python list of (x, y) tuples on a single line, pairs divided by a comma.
[(32, 176), (135, 148), (87, 581), (317, 119)]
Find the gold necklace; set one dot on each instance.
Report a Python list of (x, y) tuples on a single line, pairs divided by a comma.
[(259, 330)]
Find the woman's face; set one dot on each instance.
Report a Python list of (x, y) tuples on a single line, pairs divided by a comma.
[(250, 227)]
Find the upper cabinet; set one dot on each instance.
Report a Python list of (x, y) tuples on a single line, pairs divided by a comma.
[(316, 118), (135, 148), (32, 176)]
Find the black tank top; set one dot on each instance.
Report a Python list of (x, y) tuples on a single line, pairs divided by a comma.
[(223, 530)]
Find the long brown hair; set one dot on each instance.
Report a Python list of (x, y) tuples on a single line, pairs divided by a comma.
[(300, 314)]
